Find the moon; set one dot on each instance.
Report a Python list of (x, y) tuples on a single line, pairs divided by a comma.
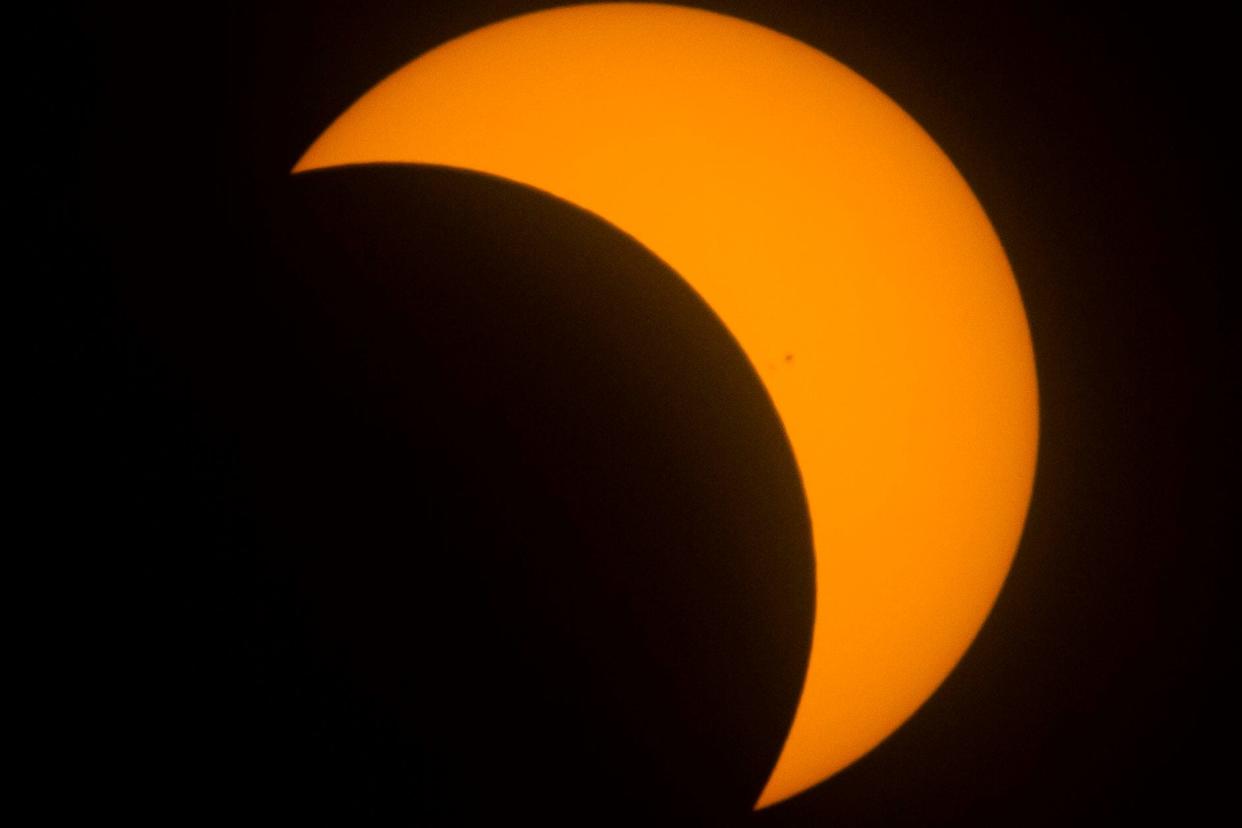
[(848, 258)]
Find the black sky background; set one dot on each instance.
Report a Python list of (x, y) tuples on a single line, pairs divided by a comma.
[(303, 518)]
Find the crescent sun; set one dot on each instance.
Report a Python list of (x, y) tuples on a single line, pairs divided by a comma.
[(845, 254)]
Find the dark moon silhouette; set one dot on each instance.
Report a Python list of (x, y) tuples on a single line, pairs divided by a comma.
[(531, 504)]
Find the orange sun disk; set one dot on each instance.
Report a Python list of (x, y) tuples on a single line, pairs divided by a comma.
[(816, 219)]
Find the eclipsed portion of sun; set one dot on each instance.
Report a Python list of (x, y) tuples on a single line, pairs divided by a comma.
[(844, 253)]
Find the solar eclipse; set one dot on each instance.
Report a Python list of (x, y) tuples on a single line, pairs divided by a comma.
[(845, 254), (419, 492)]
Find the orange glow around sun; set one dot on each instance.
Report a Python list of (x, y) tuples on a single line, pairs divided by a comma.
[(817, 220)]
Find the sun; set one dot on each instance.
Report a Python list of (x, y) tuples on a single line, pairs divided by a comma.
[(842, 250)]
